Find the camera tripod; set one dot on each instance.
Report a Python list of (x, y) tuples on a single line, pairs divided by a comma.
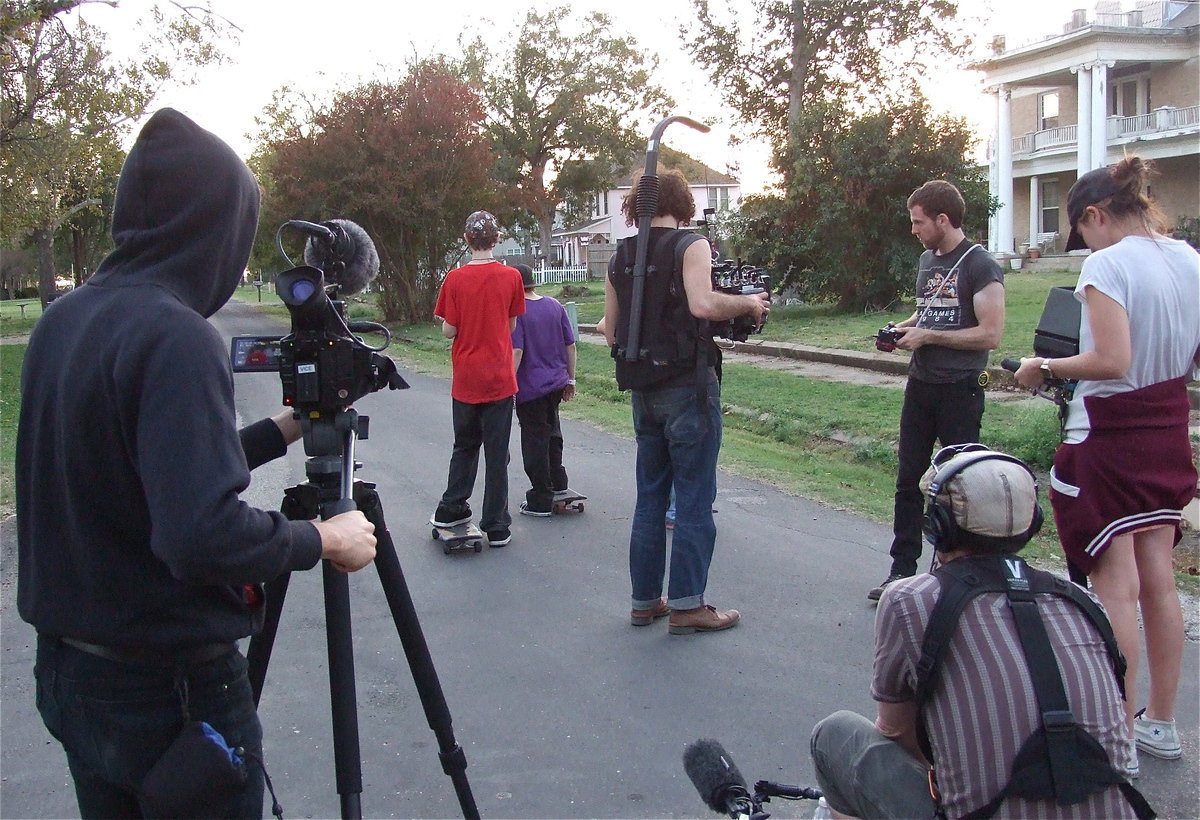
[(330, 490)]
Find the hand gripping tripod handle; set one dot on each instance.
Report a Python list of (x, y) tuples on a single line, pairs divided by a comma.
[(646, 206)]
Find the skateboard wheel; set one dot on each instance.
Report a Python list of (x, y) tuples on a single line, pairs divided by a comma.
[(580, 508), (433, 534), (478, 546)]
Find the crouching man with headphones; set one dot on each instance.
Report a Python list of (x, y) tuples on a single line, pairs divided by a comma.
[(998, 686)]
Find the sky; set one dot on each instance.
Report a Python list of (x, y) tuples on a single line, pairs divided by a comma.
[(319, 45)]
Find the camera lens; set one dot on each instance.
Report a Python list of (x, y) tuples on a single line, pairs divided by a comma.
[(302, 290)]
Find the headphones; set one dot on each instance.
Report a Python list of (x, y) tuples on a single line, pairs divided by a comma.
[(940, 527)]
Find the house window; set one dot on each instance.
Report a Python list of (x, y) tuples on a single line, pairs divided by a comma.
[(1048, 110), (1129, 97), (718, 199), (1049, 198)]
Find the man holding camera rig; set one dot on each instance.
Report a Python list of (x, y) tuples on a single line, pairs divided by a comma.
[(967, 674), (676, 400), (138, 564), (959, 318)]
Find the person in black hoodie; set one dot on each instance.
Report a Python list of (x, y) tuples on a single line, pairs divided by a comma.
[(139, 565)]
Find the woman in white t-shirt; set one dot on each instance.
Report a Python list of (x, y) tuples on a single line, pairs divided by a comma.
[(1124, 471)]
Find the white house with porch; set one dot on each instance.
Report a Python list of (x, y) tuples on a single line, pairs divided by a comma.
[(1113, 83)]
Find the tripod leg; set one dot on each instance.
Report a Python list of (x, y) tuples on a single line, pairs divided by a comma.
[(343, 697), (258, 654), (429, 688), (299, 504)]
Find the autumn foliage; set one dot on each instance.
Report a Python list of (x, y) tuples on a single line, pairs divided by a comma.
[(406, 160)]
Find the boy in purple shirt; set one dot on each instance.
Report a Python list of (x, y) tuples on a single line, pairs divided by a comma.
[(544, 358)]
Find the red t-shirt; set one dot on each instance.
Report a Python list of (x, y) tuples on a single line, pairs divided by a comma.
[(479, 300)]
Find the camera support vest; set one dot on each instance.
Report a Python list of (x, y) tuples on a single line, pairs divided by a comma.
[(674, 343), (1060, 761)]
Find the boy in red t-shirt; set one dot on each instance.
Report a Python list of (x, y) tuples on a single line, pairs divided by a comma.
[(478, 305)]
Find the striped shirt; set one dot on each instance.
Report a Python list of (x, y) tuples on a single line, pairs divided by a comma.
[(984, 706)]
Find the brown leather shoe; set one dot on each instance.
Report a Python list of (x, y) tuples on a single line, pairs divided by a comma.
[(701, 619), (645, 617)]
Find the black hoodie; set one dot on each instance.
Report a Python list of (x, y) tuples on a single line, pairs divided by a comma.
[(129, 463)]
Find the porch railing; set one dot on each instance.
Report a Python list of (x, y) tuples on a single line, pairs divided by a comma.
[(1117, 129)]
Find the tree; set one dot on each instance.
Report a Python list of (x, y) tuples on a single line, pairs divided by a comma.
[(846, 237), (564, 109), (67, 104), (407, 160), (798, 55)]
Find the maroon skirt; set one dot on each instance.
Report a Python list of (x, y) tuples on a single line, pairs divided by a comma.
[(1133, 471)]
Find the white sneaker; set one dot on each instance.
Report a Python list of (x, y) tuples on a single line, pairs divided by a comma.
[(1158, 738), (823, 812)]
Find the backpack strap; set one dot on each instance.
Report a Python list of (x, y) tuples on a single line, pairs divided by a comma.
[(961, 581)]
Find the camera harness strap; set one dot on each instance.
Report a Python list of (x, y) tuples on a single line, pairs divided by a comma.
[(945, 279), (703, 335), (1060, 760)]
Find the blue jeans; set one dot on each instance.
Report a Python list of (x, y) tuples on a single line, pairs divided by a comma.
[(115, 720), (678, 439), (489, 426)]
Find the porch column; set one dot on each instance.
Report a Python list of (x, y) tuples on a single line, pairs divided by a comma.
[(1004, 181), (1099, 157), (1035, 210), (1083, 119)]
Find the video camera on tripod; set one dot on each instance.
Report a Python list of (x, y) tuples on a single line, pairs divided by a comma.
[(323, 366), (738, 278)]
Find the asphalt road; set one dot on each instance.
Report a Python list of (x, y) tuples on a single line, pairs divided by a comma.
[(562, 708)]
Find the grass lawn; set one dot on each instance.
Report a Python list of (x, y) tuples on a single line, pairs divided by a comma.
[(833, 442), (18, 315)]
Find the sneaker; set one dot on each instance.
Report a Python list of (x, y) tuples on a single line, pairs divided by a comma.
[(875, 593), (823, 811), (450, 515), (499, 538), (1158, 738), (670, 522), (1132, 769), (527, 510), (701, 619), (645, 617)]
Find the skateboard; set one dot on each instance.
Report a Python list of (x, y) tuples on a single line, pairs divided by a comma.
[(459, 538), (568, 500)]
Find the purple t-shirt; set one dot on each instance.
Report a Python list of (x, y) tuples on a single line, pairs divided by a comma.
[(543, 333)]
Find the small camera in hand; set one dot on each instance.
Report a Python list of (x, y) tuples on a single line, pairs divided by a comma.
[(887, 337)]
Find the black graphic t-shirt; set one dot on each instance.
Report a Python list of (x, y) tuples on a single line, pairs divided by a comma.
[(945, 301)]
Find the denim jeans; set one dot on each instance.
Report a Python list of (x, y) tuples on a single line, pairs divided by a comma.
[(678, 439), (949, 413), (542, 449), (486, 425), (115, 720)]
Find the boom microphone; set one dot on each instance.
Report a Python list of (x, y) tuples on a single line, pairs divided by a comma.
[(721, 785), (342, 250)]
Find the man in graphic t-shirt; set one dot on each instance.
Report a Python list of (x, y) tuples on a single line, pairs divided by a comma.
[(478, 305), (959, 318)]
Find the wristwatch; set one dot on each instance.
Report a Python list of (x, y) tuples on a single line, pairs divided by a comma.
[(570, 381), (1045, 368)]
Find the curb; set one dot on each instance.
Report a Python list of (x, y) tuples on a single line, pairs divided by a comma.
[(878, 362)]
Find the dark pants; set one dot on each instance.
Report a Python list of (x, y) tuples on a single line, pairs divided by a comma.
[(949, 413), (115, 720), (542, 449), (488, 425)]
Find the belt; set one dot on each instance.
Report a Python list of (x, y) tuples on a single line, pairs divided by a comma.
[(192, 656)]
